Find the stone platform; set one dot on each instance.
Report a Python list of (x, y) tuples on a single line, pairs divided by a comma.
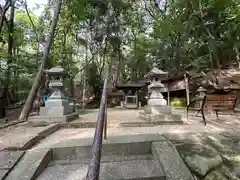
[(161, 119), (146, 156), (158, 114), (46, 120)]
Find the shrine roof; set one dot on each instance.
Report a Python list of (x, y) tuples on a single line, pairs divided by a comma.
[(58, 70), (177, 77), (132, 85)]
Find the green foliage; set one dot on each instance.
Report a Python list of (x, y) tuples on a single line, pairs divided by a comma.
[(178, 102), (22, 18), (125, 36)]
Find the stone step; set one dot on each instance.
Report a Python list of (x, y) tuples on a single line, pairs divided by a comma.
[(31, 165), (133, 169), (118, 145), (140, 169), (8, 160), (104, 159), (129, 157)]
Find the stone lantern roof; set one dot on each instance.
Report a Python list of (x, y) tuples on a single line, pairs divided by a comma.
[(58, 70), (155, 72)]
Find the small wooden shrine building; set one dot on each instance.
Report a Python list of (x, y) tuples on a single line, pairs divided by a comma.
[(131, 94), (177, 87)]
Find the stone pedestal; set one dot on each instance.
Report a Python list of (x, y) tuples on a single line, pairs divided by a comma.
[(57, 109), (160, 115), (157, 111)]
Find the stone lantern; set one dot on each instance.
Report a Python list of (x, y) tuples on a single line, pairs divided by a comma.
[(200, 93), (56, 104), (157, 110), (57, 108), (156, 88)]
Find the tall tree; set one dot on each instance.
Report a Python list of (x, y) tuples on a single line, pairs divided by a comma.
[(36, 84), (3, 93)]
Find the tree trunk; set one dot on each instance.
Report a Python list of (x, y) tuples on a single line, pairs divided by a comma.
[(237, 55), (3, 12), (116, 73), (3, 95), (32, 94)]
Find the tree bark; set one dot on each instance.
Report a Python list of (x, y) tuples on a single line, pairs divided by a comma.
[(36, 84), (116, 73), (3, 12), (3, 95)]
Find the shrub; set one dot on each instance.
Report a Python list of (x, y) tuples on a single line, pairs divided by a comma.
[(178, 102)]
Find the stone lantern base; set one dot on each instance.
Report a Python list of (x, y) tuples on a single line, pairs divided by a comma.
[(160, 115), (46, 120), (55, 111)]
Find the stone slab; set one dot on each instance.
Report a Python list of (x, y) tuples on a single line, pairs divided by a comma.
[(11, 123), (104, 159), (8, 159), (64, 172), (45, 120), (157, 109), (200, 158), (177, 138), (56, 109), (135, 169), (18, 136), (31, 165), (224, 145), (235, 135), (124, 170), (116, 145), (34, 138), (3, 173), (171, 161), (161, 119), (136, 138), (180, 138)]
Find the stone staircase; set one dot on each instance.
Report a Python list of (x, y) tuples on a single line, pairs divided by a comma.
[(135, 157)]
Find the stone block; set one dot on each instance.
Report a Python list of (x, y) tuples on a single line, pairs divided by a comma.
[(65, 172), (223, 173), (157, 109), (161, 118), (45, 120), (3, 173), (32, 140), (172, 163), (115, 145), (8, 158), (55, 111), (31, 165), (56, 103), (135, 169), (200, 158)]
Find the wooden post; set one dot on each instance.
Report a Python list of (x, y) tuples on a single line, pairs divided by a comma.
[(168, 95), (187, 88), (136, 99), (168, 98), (84, 91), (105, 122)]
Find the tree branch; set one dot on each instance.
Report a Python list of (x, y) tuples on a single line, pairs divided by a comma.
[(149, 12), (34, 27), (3, 12), (87, 63)]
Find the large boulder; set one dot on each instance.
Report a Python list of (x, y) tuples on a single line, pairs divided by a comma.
[(221, 173), (233, 162), (200, 158)]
